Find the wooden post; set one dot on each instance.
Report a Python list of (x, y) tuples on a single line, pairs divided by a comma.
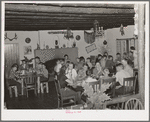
[(141, 52)]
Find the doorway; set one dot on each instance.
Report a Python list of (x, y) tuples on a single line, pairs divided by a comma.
[(11, 55)]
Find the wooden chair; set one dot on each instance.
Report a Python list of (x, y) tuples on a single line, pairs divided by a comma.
[(15, 89), (45, 83), (133, 104), (61, 97), (12, 87), (135, 72), (129, 85), (30, 82), (108, 81), (42, 84), (95, 85)]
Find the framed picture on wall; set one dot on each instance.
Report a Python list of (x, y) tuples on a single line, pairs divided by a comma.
[(90, 48), (56, 42), (27, 50)]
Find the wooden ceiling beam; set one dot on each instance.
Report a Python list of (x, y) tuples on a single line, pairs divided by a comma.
[(59, 18), (14, 13), (25, 28), (58, 24), (65, 21), (35, 8), (83, 5), (68, 25)]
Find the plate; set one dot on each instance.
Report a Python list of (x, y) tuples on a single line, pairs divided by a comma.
[(27, 40), (78, 37)]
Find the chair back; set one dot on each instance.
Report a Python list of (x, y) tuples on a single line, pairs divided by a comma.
[(95, 85), (135, 72), (61, 96), (30, 65), (30, 79), (57, 84), (108, 81), (133, 104), (129, 85)]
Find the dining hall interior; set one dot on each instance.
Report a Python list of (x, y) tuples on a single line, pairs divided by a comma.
[(74, 56)]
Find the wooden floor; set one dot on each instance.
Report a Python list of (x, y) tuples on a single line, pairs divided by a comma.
[(41, 101)]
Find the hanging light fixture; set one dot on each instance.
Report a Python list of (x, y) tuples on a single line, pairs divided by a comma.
[(98, 31), (68, 34)]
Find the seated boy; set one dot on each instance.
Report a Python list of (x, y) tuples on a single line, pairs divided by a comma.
[(43, 71), (88, 62), (109, 63)]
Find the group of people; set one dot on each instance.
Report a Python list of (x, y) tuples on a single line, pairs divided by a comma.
[(73, 74), (84, 70), (16, 70)]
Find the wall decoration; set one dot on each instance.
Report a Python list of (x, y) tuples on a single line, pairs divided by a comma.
[(56, 41), (89, 37), (57, 32), (38, 47), (27, 50), (64, 46), (68, 35), (90, 48), (122, 30), (6, 37), (74, 44), (27, 40), (78, 37), (56, 44), (47, 47), (105, 42)]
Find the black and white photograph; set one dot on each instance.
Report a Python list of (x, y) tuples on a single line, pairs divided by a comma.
[(27, 50), (102, 75)]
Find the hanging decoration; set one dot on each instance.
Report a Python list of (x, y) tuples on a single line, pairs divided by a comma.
[(89, 37), (98, 31), (68, 34), (6, 37), (122, 30)]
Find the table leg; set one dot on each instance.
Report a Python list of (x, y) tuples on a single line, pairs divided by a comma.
[(22, 87), (38, 84)]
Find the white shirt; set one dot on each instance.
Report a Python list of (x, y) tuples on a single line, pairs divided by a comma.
[(58, 67), (121, 75), (90, 65), (129, 69), (71, 74), (90, 79), (135, 59)]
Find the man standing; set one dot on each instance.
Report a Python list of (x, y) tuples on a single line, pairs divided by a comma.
[(135, 56)]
